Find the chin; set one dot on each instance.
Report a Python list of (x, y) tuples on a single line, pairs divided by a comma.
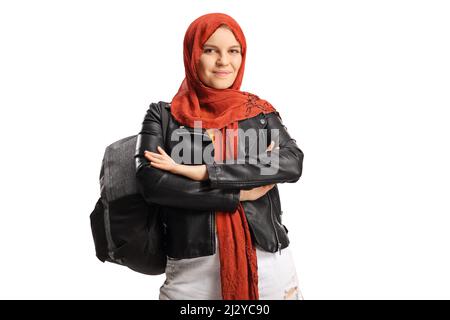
[(221, 85)]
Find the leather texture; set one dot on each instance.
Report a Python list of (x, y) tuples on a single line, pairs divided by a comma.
[(188, 206)]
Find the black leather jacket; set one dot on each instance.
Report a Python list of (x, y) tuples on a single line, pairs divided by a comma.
[(188, 206)]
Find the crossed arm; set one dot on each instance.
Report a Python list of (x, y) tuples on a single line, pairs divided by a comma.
[(211, 186), (199, 172)]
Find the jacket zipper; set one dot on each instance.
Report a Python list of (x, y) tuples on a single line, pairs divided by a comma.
[(212, 228), (273, 224)]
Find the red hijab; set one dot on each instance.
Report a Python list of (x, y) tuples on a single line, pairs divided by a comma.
[(221, 109)]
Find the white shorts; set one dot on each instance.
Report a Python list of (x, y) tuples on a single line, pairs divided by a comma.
[(199, 278)]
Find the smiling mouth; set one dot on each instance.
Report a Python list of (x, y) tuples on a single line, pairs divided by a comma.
[(222, 74)]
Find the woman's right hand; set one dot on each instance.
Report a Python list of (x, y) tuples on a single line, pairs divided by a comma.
[(255, 193)]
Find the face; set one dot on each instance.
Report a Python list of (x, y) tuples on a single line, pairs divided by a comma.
[(220, 60)]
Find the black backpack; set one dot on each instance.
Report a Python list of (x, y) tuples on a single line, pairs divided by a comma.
[(126, 229)]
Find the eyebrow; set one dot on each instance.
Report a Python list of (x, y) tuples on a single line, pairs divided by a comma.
[(210, 45)]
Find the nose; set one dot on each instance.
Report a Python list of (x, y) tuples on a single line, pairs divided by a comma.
[(223, 59)]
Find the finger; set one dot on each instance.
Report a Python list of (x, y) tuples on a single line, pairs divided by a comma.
[(269, 187), (264, 189), (269, 148), (158, 165), (154, 164), (157, 156), (154, 155), (154, 159), (149, 156), (162, 151)]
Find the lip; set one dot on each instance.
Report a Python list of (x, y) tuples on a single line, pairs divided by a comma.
[(222, 74)]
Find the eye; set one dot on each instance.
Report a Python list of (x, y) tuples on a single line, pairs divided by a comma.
[(207, 50), (235, 51)]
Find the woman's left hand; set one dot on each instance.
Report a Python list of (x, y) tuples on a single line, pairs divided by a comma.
[(161, 160), (164, 162)]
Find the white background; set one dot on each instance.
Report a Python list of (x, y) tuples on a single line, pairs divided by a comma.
[(363, 86)]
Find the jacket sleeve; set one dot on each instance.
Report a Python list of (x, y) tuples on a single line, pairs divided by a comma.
[(168, 189), (287, 166)]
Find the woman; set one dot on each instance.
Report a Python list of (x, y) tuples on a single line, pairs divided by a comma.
[(222, 217)]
